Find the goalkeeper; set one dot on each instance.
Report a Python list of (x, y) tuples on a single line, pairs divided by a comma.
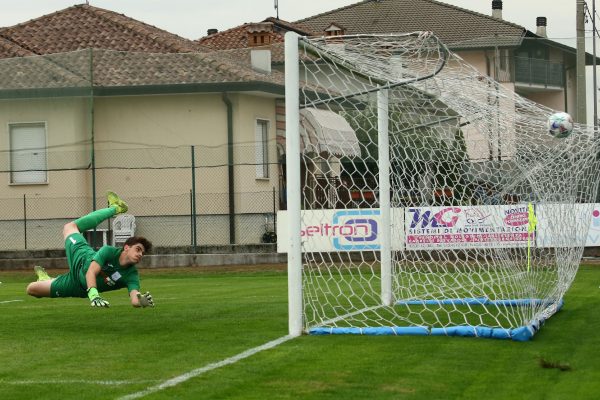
[(90, 272)]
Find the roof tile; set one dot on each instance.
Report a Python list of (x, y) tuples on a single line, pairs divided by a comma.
[(53, 51), (455, 26), (9, 49), (83, 26), (116, 68)]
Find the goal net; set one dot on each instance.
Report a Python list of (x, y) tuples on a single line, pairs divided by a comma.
[(424, 197)]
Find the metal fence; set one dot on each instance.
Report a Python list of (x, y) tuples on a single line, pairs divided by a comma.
[(77, 124), (185, 196), (529, 71), (539, 72)]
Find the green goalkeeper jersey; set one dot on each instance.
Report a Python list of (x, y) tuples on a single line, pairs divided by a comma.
[(112, 275)]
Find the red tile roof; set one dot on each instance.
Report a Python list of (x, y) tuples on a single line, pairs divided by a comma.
[(84, 26), (131, 69), (8, 49), (237, 38), (455, 26), (112, 69), (53, 52)]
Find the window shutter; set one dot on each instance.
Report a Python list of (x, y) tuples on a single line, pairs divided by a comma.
[(261, 150), (28, 157)]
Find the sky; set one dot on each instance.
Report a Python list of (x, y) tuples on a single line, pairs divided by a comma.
[(192, 18)]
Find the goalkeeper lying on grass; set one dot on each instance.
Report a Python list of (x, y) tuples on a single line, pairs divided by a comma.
[(90, 272)]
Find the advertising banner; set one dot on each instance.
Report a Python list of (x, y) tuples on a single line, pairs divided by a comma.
[(465, 227), (340, 230), (457, 227), (568, 225), (593, 238)]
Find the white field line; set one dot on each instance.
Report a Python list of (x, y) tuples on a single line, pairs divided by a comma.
[(9, 301), (199, 371)]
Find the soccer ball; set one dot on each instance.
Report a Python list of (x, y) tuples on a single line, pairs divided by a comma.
[(560, 125)]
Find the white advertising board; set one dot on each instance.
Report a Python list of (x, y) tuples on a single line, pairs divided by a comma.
[(568, 225), (593, 238), (340, 230), (461, 227)]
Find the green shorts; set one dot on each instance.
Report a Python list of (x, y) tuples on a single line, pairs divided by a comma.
[(79, 255)]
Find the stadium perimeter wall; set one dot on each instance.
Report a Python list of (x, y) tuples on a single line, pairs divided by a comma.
[(173, 257), (160, 258)]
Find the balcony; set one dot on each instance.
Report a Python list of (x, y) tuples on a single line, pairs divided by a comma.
[(538, 73), (531, 73)]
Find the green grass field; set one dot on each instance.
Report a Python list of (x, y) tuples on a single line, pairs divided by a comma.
[(64, 349)]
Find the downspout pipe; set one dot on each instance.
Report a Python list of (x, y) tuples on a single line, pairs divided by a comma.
[(230, 171), (91, 127)]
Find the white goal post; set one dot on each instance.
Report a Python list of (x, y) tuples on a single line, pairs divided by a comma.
[(422, 196)]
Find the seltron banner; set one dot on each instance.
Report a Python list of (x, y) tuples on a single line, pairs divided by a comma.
[(451, 227)]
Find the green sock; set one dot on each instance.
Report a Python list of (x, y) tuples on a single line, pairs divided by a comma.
[(94, 218)]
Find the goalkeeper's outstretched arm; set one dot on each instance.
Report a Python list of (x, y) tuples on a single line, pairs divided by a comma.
[(92, 292), (141, 299)]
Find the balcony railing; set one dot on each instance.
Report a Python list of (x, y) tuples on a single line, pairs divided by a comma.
[(537, 72), (530, 72)]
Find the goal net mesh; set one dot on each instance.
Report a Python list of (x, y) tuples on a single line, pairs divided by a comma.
[(488, 212)]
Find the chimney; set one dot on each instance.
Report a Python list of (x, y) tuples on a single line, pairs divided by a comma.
[(260, 60), (259, 34), (541, 23), (212, 31), (497, 9)]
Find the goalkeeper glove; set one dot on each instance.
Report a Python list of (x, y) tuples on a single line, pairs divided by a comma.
[(96, 300), (145, 299)]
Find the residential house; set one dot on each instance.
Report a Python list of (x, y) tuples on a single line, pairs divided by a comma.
[(528, 63), (92, 100), (525, 62)]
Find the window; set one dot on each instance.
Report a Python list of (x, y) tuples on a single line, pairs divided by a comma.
[(261, 148), (504, 60), (28, 158)]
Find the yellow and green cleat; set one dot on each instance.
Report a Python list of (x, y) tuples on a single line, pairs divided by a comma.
[(41, 273), (116, 202)]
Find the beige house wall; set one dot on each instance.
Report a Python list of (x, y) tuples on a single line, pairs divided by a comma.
[(149, 131), (67, 137), (554, 99), (160, 120), (247, 111), (143, 150), (571, 87), (157, 132), (477, 59), (172, 124)]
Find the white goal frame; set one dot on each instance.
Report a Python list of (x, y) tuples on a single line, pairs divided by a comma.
[(547, 206)]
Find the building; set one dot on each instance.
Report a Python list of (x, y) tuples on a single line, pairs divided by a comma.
[(527, 62), (92, 100), (192, 132)]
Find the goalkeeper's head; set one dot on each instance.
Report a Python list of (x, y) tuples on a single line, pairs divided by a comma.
[(134, 249)]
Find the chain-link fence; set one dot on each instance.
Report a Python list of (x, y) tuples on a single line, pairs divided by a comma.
[(197, 200), (188, 140)]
